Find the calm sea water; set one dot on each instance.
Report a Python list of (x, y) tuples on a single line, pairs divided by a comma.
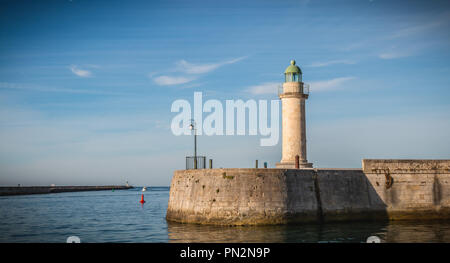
[(117, 216)]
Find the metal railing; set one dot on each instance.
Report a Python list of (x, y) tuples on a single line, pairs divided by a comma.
[(305, 88), (280, 90), (193, 163)]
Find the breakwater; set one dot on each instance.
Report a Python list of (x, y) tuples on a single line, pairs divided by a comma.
[(28, 190), (381, 190)]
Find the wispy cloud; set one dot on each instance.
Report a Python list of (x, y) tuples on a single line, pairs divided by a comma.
[(264, 88), (414, 30), (418, 30), (413, 37), (190, 68), (80, 72), (394, 54), (331, 62), (167, 80), (329, 84), (441, 20)]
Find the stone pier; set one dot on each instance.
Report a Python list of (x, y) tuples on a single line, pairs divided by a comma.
[(381, 190)]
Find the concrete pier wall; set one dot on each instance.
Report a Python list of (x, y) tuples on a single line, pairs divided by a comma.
[(383, 189), (420, 189)]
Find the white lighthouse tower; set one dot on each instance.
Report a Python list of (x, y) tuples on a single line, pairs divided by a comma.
[(293, 96)]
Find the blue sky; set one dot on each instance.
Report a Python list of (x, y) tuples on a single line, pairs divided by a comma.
[(86, 87)]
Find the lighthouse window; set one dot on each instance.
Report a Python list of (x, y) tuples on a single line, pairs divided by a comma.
[(290, 77)]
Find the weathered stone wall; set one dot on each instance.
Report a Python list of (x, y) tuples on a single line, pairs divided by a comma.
[(417, 189), (384, 189), (232, 196)]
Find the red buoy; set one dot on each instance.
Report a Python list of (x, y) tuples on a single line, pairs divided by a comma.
[(142, 199)]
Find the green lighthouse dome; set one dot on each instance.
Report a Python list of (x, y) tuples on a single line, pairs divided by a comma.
[(293, 68), (293, 73)]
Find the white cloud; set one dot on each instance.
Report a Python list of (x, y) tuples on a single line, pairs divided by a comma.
[(329, 84), (80, 72), (394, 54), (264, 88), (190, 68), (413, 30), (441, 20), (167, 80), (331, 62), (413, 36)]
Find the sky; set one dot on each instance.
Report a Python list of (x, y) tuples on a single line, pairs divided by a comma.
[(86, 87)]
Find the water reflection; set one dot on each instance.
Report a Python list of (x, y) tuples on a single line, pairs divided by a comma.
[(403, 232)]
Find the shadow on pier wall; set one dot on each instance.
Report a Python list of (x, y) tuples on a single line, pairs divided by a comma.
[(337, 195)]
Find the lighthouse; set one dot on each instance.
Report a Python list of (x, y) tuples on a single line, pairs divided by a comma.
[(293, 95)]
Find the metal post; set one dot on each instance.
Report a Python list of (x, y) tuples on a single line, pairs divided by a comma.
[(192, 126), (210, 163), (256, 164), (297, 162), (195, 148)]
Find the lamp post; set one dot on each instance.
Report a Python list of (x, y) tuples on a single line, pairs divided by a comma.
[(192, 126)]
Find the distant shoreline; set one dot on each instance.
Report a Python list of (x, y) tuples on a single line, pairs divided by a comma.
[(29, 190)]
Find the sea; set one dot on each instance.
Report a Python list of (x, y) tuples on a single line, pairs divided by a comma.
[(118, 217)]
